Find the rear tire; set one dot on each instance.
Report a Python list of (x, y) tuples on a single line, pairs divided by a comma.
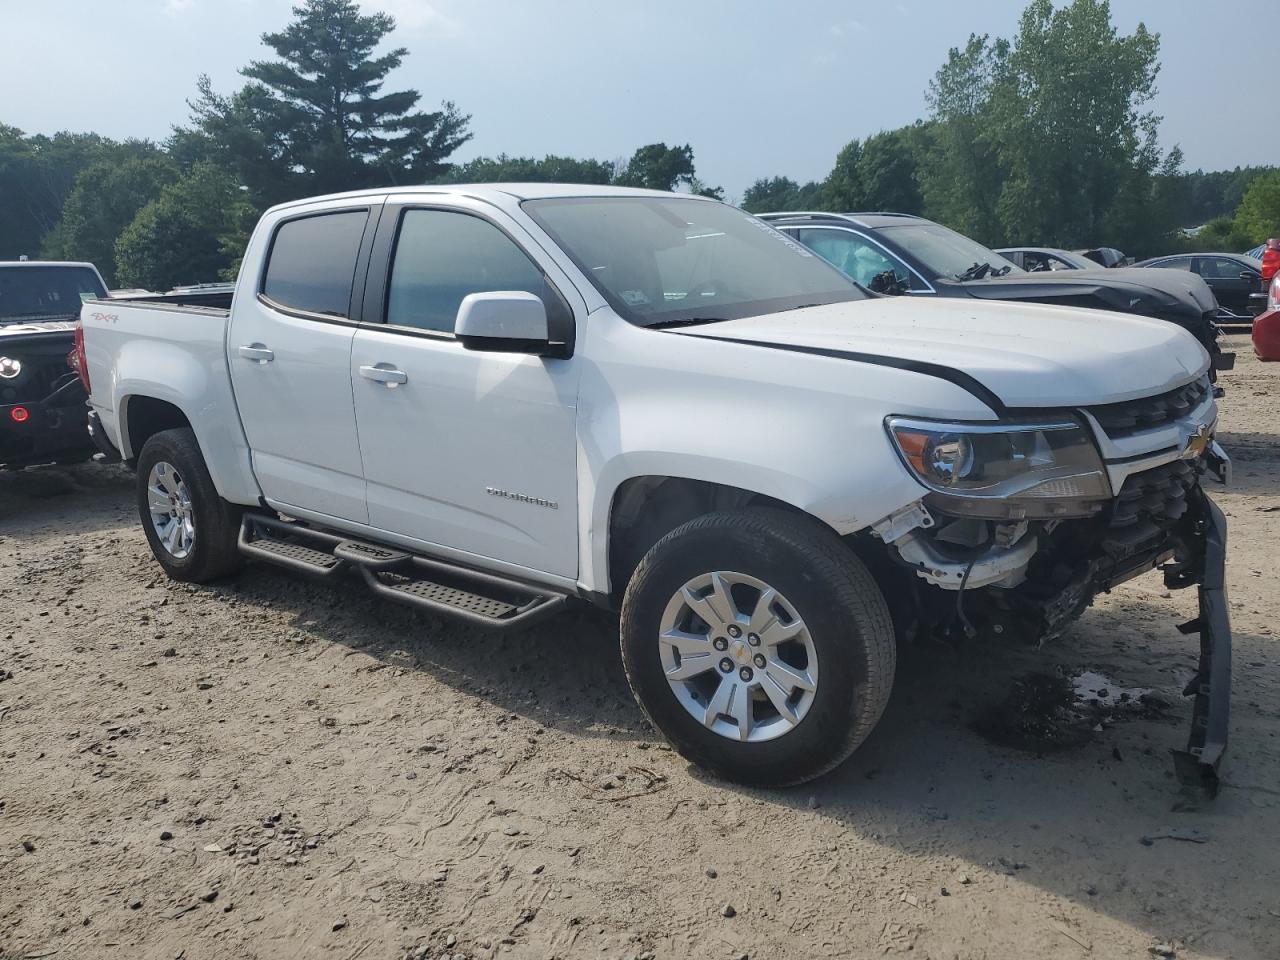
[(192, 531), (775, 707)]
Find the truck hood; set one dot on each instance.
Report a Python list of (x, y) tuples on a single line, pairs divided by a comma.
[(26, 328), (1166, 293), (1028, 355)]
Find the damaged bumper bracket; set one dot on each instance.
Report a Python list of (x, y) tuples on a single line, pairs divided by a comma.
[(1197, 765)]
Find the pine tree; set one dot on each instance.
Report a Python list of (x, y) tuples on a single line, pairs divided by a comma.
[(320, 113)]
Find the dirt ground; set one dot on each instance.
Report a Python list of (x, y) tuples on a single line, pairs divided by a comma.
[(272, 768)]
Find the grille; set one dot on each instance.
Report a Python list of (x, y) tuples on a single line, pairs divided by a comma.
[(39, 377), (1159, 494), (1147, 413)]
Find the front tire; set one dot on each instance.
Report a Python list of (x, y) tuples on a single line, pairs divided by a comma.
[(759, 645), (192, 531)]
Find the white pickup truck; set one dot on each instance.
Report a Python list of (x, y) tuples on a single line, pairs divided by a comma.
[(488, 401)]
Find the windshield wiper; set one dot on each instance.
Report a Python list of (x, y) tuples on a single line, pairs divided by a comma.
[(976, 272), (684, 322)]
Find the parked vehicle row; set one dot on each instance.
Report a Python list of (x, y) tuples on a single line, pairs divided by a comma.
[(1236, 279), (488, 401), (901, 254)]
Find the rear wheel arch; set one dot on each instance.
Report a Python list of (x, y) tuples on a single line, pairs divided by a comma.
[(144, 417)]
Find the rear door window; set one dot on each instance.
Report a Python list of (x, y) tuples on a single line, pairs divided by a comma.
[(1174, 263), (313, 262)]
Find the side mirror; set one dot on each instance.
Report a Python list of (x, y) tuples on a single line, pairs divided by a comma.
[(503, 321)]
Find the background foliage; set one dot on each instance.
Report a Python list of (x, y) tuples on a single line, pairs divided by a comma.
[(1044, 137)]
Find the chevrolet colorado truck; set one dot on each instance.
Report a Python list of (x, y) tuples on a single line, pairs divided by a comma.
[(491, 401), (42, 401)]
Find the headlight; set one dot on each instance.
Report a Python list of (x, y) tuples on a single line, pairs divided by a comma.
[(1048, 469)]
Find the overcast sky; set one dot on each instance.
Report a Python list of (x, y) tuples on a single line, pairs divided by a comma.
[(758, 87)]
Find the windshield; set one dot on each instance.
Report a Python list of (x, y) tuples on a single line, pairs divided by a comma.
[(667, 260), (40, 291), (947, 253)]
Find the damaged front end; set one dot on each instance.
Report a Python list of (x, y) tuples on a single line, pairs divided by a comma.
[(1018, 534)]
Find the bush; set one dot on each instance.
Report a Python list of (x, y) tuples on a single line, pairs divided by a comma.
[(192, 233)]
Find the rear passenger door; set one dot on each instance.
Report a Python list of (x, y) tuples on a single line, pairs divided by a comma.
[(289, 350), (466, 454), (1228, 281)]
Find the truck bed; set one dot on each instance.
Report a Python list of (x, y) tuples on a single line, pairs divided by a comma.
[(216, 302), (141, 347)]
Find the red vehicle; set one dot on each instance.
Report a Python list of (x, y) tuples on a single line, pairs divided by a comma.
[(1270, 259), (1266, 326)]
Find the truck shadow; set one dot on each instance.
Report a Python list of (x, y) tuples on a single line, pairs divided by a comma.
[(50, 492), (1254, 457), (1068, 818)]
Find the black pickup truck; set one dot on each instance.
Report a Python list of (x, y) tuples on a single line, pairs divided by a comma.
[(42, 400)]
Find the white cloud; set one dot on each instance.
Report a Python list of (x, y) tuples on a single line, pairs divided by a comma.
[(845, 28), (415, 16)]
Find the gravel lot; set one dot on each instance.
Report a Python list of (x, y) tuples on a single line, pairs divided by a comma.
[(271, 768)]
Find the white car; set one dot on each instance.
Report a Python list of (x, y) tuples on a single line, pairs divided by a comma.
[(489, 400)]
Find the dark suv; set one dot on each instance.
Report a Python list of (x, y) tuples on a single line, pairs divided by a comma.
[(42, 400), (898, 254)]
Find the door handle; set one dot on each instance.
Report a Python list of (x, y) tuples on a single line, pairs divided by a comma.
[(384, 374), (256, 352)]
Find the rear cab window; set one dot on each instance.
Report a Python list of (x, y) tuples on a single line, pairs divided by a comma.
[(312, 262)]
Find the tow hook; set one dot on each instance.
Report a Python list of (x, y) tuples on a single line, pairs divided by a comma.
[(1218, 462)]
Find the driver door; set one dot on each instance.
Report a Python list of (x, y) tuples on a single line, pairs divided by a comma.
[(470, 454)]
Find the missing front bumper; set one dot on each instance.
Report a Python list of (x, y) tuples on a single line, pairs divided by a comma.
[(1197, 765)]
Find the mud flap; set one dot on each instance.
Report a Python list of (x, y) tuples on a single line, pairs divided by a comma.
[(1197, 765)]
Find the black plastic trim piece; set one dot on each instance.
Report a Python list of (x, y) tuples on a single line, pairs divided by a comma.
[(100, 438), (959, 378), (306, 314), (1211, 687), (1146, 455)]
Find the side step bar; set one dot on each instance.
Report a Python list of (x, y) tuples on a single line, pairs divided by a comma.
[(480, 599)]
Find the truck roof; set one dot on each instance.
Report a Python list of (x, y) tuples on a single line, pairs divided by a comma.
[(48, 263), (499, 191)]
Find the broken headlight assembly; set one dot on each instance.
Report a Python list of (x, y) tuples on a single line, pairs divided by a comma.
[(1004, 470)]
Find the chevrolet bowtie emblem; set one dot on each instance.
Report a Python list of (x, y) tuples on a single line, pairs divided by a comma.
[(1197, 443)]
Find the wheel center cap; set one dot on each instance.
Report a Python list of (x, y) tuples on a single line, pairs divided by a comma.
[(739, 650)]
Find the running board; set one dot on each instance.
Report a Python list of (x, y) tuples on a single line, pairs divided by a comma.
[(480, 599)]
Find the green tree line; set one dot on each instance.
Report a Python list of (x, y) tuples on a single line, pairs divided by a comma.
[(1045, 137)]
